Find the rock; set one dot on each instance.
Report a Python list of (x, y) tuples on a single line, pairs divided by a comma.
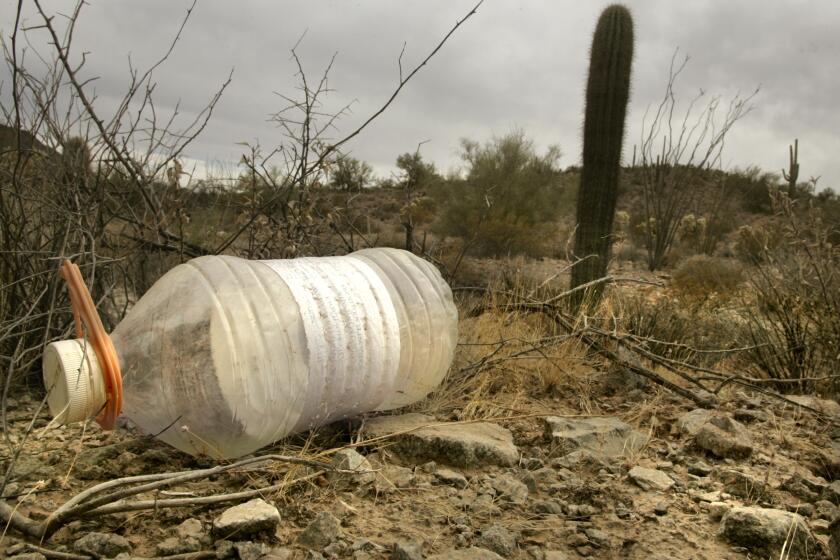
[(823, 509), (472, 553), (321, 532), (825, 406), (660, 509), (598, 538), (392, 477), (743, 485), (510, 489), (102, 545), (834, 538), (765, 531), (224, 549), (803, 487), (548, 508), (526, 478), (555, 555), (498, 539), (718, 509), (176, 545), (407, 550), (832, 493), (699, 469), (461, 445), (803, 509), (451, 477), (748, 416), (280, 553), (602, 437), (351, 460), (651, 479), (249, 550), (190, 528), (717, 433), (246, 519)]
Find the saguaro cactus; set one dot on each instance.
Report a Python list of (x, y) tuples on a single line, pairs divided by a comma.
[(792, 174), (607, 93)]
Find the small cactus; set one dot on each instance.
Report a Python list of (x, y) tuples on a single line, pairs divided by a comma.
[(607, 94)]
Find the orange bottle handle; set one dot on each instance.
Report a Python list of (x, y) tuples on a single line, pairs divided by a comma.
[(88, 323)]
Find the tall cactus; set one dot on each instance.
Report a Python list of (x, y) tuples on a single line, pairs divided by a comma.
[(607, 93)]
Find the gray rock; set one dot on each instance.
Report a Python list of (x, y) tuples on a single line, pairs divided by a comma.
[(598, 538), (660, 509), (190, 528), (601, 437), (832, 493), (717, 433), (351, 460), (246, 519), (247, 550), (176, 545), (321, 532), (224, 549), (803, 509), (748, 415), (548, 508), (102, 545), (718, 509), (510, 489), (498, 539), (743, 485), (472, 553), (407, 550), (803, 487), (699, 469), (462, 445), (766, 531), (651, 479), (823, 509), (451, 477)]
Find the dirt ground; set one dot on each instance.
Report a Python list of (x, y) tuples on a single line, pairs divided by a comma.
[(599, 511)]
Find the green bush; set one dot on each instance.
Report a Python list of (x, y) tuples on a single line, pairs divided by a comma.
[(507, 200), (700, 277)]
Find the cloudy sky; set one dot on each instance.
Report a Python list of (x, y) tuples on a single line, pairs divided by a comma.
[(515, 64)]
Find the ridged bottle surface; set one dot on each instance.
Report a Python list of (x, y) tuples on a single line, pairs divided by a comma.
[(224, 355)]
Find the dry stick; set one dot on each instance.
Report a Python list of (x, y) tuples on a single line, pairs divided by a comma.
[(307, 170), (124, 506), (134, 169)]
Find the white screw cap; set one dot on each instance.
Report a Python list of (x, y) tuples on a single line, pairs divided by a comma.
[(73, 378)]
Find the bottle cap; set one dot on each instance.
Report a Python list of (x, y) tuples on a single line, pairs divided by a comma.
[(73, 379)]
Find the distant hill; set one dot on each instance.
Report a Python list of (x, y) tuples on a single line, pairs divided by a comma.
[(9, 140)]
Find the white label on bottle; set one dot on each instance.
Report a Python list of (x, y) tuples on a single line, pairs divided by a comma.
[(352, 335)]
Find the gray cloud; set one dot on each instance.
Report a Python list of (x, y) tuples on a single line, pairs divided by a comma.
[(516, 64)]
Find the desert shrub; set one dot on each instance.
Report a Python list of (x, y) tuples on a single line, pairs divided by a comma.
[(630, 252), (506, 202), (670, 329), (701, 277), (794, 322)]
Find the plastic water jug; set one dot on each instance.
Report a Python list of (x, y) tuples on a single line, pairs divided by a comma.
[(223, 355)]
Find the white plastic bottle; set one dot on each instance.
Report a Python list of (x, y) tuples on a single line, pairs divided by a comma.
[(224, 355)]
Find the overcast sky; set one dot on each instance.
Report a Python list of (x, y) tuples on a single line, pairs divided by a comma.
[(515, 64)]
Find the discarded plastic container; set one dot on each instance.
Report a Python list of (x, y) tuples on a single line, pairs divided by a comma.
[(224, 355)]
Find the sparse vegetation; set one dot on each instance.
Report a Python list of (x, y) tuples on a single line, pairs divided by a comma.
[(720, 287)]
